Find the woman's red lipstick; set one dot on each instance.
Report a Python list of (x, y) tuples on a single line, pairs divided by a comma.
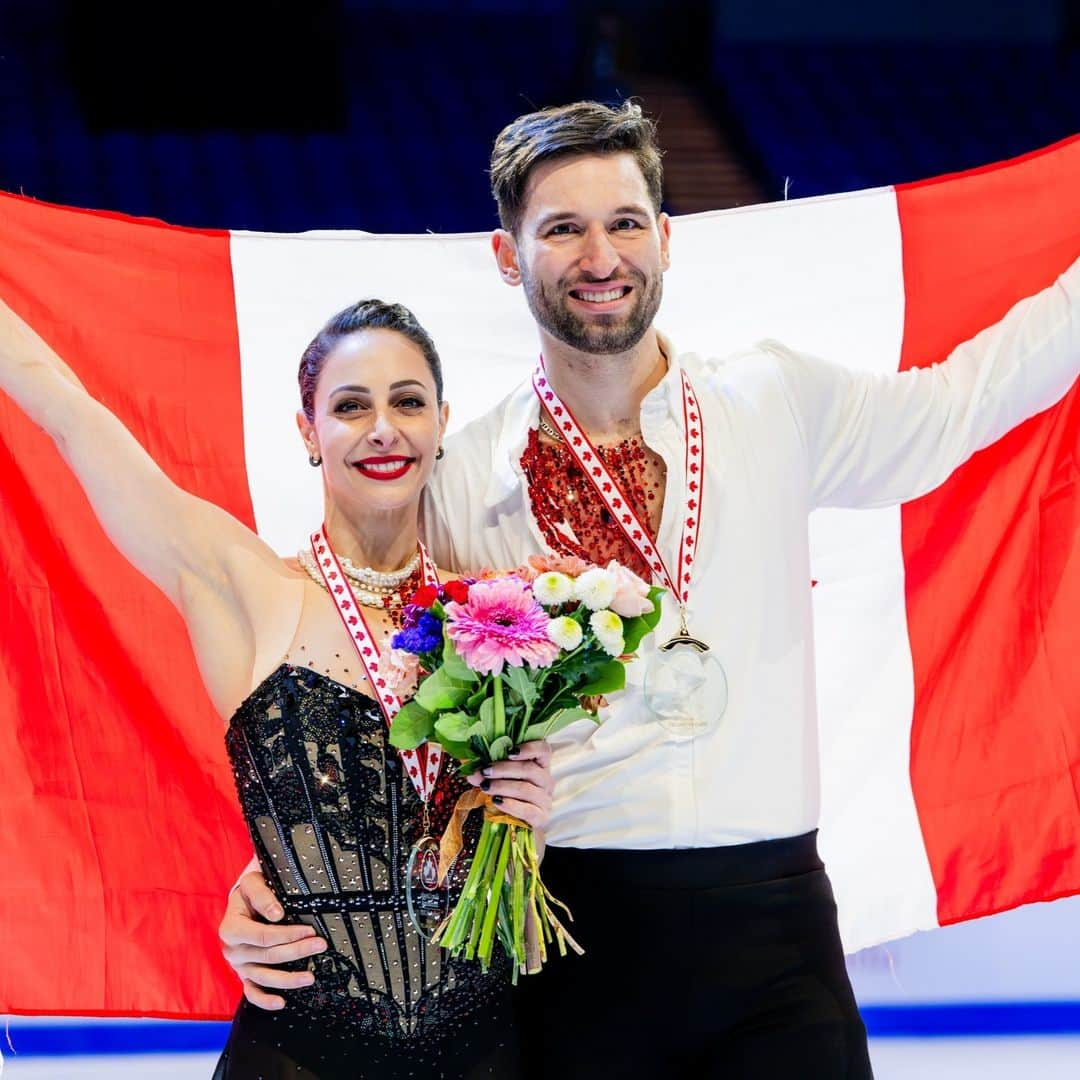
[(386, 467)]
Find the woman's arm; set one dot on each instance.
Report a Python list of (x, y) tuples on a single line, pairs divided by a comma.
[(219, 574)]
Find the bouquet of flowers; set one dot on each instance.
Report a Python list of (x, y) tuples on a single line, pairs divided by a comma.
[(499, 662)]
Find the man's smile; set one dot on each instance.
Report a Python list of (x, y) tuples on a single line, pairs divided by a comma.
[(601, 297)]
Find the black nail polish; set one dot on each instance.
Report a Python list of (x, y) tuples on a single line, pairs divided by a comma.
[(485, 785), (496, 799)]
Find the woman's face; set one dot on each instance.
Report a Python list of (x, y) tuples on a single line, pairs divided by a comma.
[(378, 423)]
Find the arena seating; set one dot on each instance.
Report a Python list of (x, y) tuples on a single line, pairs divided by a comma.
[(406, 160), (842, 117), (809, 117)]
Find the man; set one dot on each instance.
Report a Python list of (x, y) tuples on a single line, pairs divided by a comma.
[(683, 832)]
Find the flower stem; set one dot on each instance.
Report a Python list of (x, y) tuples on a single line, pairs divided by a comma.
[(517, 897), (482, 886), (500, 708), (459, 925), (484, 951)]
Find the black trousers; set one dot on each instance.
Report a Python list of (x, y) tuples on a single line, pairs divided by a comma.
[(717, 963)]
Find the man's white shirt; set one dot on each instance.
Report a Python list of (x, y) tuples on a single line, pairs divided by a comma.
[(784, 433)]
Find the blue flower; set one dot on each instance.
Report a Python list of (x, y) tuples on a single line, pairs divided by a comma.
[(422, 633)]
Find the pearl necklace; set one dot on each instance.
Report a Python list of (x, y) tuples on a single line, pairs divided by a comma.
[(372, 588)]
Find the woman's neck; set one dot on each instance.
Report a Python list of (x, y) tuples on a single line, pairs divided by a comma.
[(382, 540), (605, 391)]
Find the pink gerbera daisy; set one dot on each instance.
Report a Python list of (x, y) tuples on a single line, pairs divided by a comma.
[(501, 623)]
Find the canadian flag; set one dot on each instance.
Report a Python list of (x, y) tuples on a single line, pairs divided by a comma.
[(948, 630)]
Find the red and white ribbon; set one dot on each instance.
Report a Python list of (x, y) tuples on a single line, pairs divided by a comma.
[(614, 498), (423, 763)]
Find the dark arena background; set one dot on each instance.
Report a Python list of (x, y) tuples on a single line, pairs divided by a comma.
[(365, 115)]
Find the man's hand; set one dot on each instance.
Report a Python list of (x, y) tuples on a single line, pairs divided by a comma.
[(252, 947)]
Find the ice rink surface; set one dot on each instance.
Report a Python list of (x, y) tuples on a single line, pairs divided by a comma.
[(894, 1059)]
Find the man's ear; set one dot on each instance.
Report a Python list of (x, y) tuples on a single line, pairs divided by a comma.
[(504, 247), (663, 224)]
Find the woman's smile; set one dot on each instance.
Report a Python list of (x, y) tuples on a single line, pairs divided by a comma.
[(384, 466)]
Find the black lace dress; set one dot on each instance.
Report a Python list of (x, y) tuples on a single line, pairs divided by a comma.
[(333, 820)]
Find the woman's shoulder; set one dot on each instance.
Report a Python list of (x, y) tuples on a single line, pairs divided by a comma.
[(292, 564)]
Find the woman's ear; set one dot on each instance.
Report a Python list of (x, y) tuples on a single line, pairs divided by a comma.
[(307, 433)]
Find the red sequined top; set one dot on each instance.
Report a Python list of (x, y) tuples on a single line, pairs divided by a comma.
[(570, 514)]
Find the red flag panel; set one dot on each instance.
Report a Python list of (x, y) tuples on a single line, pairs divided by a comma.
[(992, 559), (120, 832)]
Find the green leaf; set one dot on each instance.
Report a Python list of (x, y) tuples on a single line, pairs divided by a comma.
[(609, 678), (439, 692), (656, 594), (556, 722), (412, 726), (636, 629), (519, 680), (487, 720), (454, 727), (469, 765), (501, 747), (454, 666), (459, 751)]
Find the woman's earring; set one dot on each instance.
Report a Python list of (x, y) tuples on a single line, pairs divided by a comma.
[(314, 461), (439, 454)]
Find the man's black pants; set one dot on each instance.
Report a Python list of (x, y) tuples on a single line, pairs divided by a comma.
[(709, 963)]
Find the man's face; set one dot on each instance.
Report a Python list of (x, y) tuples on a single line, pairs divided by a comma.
[(592, 252)]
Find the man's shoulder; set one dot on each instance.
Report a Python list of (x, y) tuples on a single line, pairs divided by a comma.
[(758, 365), (764, 352)]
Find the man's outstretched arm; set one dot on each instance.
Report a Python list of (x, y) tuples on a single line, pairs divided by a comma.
[(253, 945), (876, 440)]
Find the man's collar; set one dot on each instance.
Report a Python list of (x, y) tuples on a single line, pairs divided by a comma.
[(666, 395), (522, 412)]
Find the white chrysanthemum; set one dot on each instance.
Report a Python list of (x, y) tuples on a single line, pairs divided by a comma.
[(595, 588), (553, 588), (565, 632), (608, 628)]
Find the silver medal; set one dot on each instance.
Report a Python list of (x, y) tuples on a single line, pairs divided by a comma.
[(685, 686)]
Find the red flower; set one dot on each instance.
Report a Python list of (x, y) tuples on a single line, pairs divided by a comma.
[(457, 591), (425, 596)]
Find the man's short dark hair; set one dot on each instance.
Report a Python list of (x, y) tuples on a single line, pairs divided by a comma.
[(585, 127)]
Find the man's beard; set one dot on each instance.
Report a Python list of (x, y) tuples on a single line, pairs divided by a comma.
[(595, 336)]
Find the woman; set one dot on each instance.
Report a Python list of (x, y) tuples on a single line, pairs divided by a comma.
[(333, 812)]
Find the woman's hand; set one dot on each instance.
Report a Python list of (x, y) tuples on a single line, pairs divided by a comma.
[(252, 946), (522, 785)]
